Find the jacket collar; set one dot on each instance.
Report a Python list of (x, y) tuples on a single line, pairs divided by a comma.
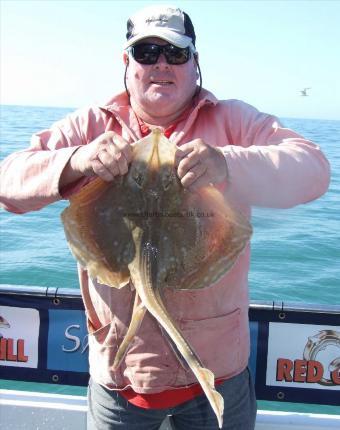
[(120, 107)]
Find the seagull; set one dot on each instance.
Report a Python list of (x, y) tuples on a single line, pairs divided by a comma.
[(304, 92), (3, 324)]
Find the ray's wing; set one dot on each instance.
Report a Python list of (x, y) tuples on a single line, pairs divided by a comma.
[(101, 218), (222, 234), (97, 232), (204, 243)]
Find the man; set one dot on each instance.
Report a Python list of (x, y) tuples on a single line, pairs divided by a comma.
[(243, 152)]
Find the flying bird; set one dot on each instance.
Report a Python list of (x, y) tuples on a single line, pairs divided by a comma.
[(304, 92)]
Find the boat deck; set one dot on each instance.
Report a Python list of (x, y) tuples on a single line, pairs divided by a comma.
[(21, 410)]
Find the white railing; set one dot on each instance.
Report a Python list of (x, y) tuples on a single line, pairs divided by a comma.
[(20, 410)]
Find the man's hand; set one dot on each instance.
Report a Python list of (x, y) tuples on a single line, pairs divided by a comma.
[(199, 164), (109, 155)]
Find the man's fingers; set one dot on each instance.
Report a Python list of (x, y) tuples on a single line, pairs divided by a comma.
[(115, 162), (121, 163), (193, 175), (183, 151), (100, 170), (187, 163), (118, 145), (111, 157), (120, 152)]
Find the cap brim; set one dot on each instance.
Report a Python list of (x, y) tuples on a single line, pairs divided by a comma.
[(178, 40)]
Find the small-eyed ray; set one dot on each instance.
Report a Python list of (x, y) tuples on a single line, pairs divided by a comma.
[(145, 228)]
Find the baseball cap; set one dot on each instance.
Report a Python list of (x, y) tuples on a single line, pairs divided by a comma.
[(165, 22)]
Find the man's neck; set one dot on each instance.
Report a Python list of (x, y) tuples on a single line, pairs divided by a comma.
[(159, 120)]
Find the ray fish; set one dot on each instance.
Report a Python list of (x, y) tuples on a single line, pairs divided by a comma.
[(146, 229)]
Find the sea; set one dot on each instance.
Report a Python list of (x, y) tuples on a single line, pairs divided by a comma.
[(295, 252)]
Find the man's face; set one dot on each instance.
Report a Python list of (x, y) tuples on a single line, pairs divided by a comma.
[(161, 89)]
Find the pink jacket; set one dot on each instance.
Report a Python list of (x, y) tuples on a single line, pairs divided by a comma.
[(268, 166)]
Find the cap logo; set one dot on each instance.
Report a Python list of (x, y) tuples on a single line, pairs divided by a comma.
[(161, 19)]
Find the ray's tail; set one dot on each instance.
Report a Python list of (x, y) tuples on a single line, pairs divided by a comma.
[(152, 301), (138, 313)]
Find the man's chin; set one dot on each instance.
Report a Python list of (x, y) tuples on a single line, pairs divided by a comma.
[(161, 104)]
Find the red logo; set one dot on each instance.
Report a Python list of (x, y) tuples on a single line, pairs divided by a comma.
[(11, 349), (309, 369)]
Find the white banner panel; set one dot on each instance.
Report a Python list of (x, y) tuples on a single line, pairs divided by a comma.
[(19, 336), (303, 356)]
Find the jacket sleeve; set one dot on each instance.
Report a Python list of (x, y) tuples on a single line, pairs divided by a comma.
[(269, 165), (30, 178)]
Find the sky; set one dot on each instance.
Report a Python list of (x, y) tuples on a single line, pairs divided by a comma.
[(69, 53)]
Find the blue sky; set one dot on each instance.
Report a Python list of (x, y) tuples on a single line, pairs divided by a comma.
[(69, 53)]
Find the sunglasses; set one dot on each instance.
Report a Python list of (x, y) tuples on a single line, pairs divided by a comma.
[(148, 53)]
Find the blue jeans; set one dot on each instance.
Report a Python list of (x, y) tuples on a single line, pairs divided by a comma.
[(108, 410)]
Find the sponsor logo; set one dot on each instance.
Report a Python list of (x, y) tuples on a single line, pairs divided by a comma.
[(67, 341), (309, 369), (312, 360), (11, 350), (3, 324), (19, 335), (79, 344)]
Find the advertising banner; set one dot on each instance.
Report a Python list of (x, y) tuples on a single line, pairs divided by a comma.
[(298, 355), (303, 355), (295, 353), (19, 336), (43, 339), (67, 341)]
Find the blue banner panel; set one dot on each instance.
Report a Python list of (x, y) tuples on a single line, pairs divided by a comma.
[(67, 347)]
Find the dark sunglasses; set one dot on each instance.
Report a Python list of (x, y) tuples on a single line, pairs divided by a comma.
[(148, 53)]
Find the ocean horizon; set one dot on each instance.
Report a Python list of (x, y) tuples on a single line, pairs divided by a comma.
[(73, 109)]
